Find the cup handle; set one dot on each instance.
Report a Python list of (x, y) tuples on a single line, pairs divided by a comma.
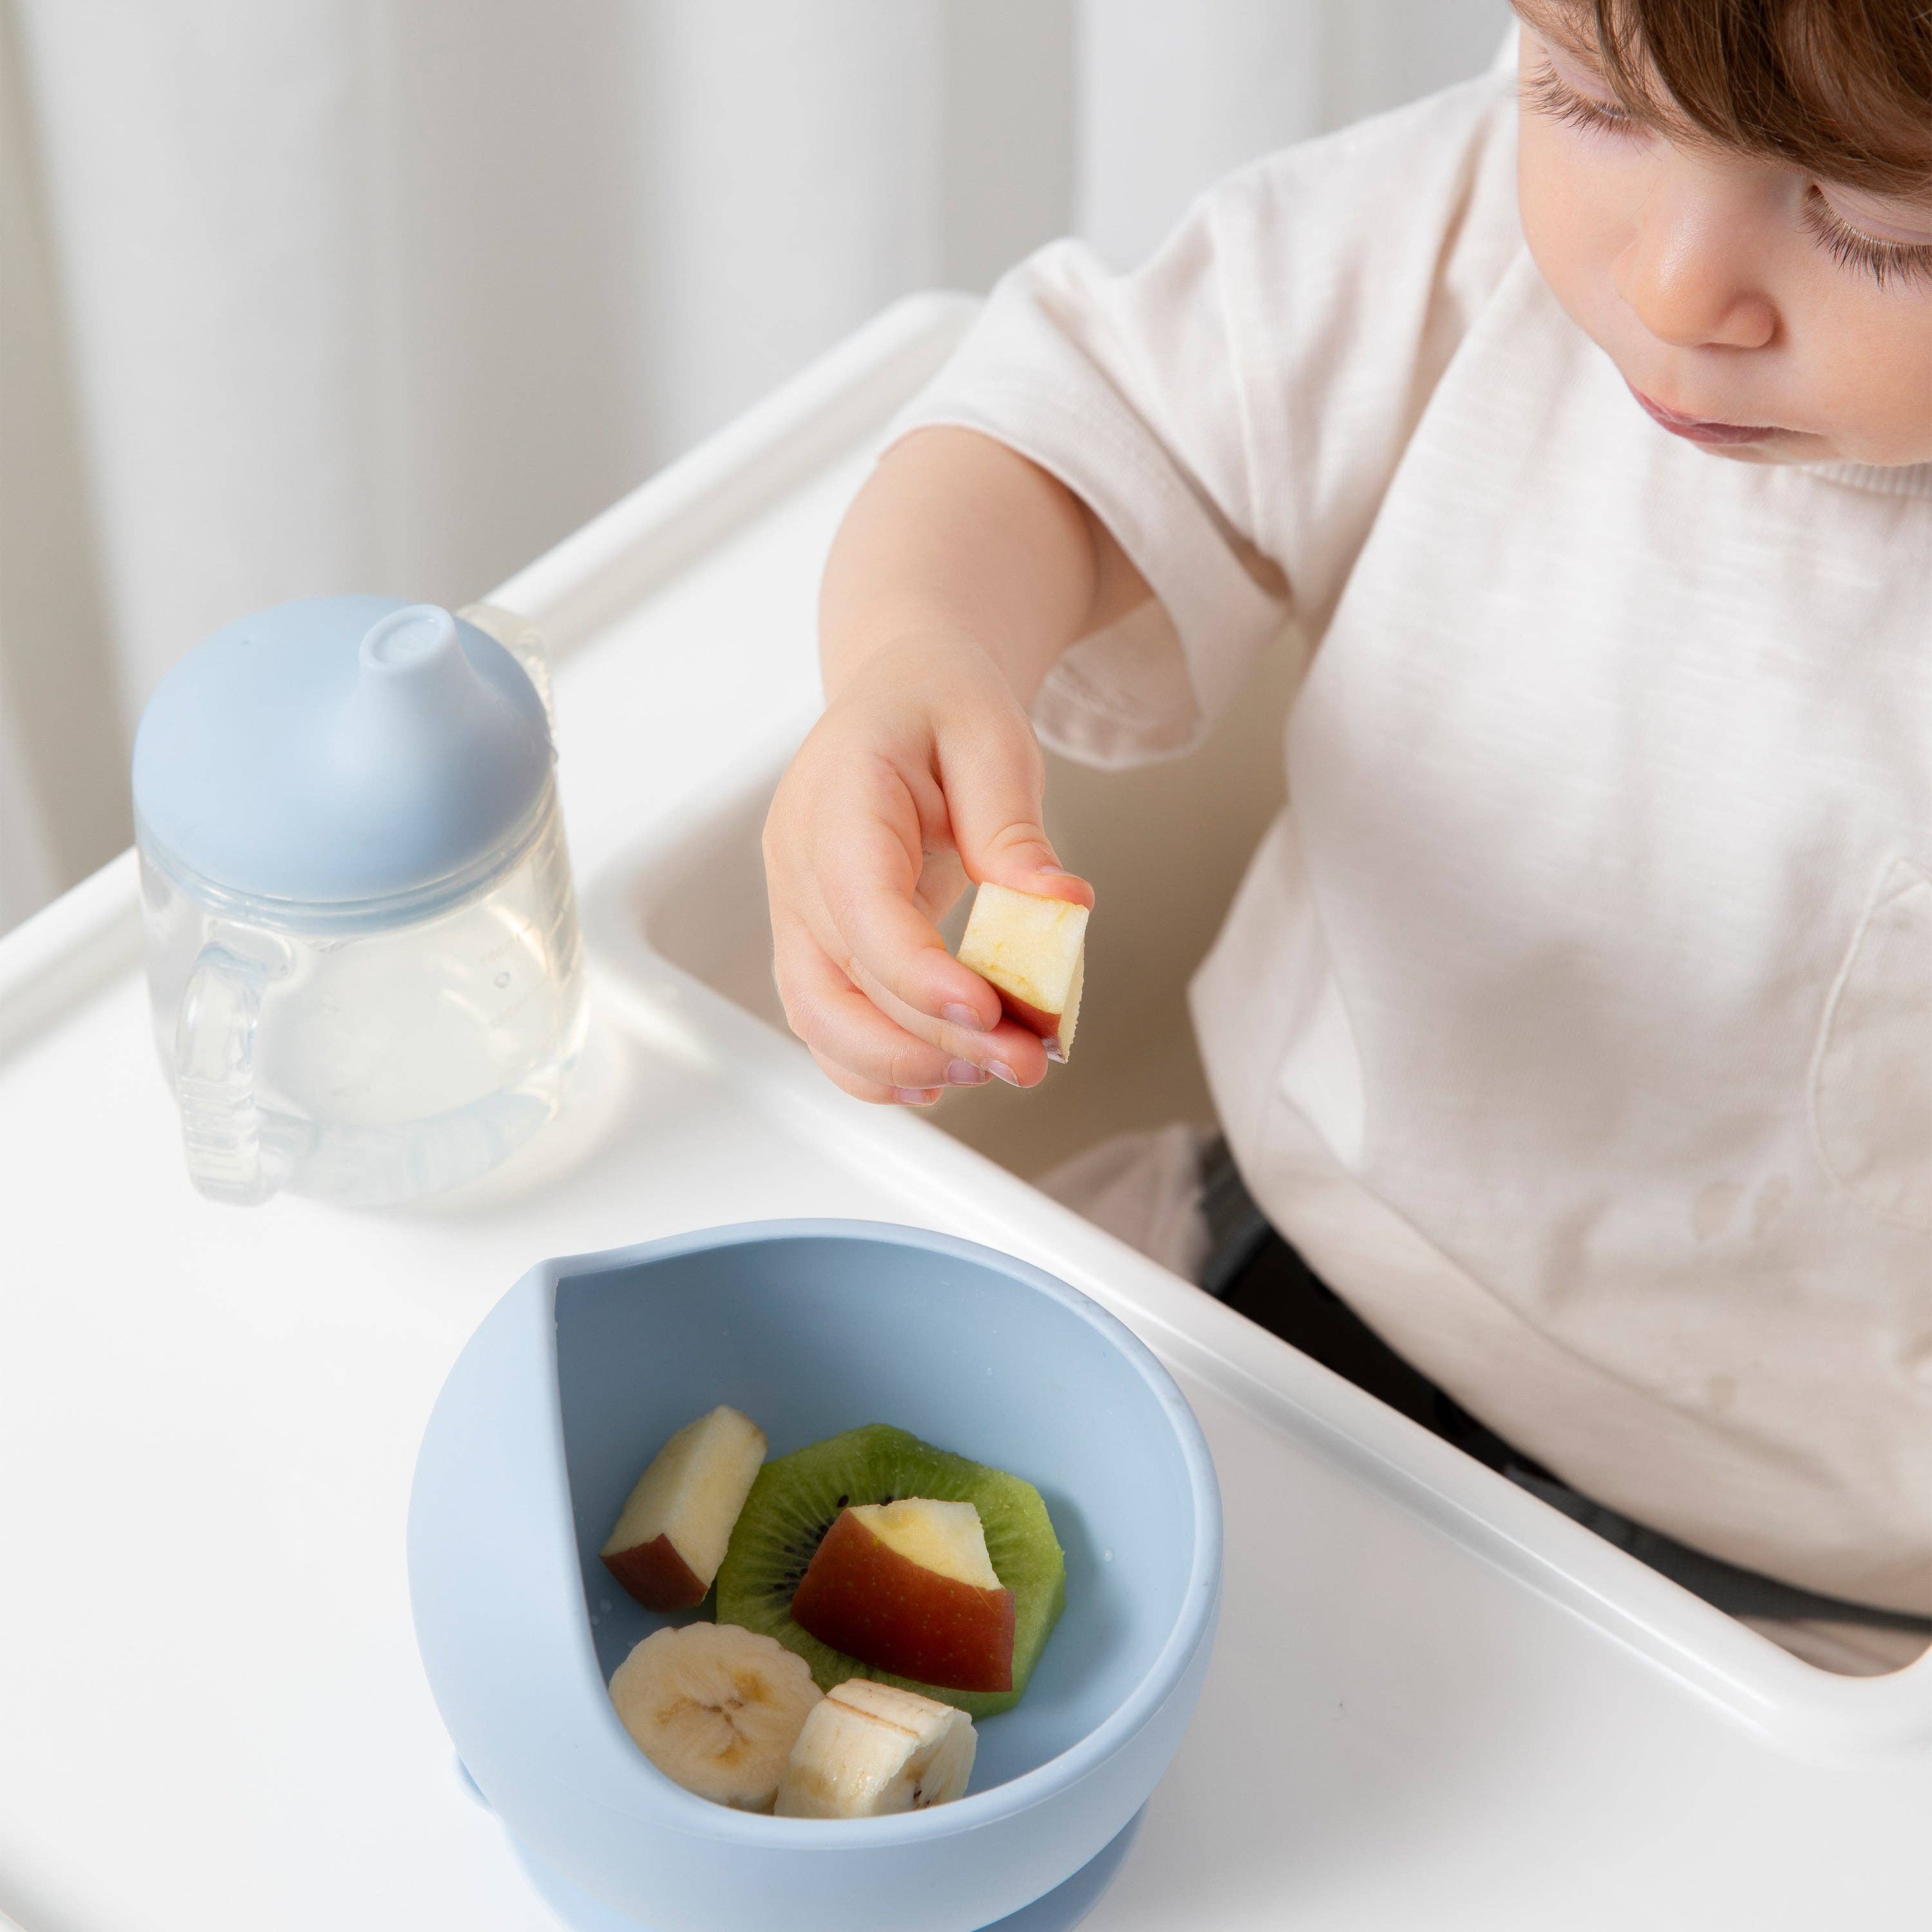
[(523, 641), (214, 1075)]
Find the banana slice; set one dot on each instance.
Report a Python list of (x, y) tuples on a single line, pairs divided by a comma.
[(716, 1708), (870, 1749)]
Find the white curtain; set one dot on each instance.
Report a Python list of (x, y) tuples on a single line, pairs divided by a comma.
[(390, 294)]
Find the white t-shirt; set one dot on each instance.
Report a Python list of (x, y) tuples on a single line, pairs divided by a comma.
[(1576, 1019)]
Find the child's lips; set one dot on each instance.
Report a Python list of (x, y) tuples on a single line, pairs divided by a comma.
[(1696, 429)]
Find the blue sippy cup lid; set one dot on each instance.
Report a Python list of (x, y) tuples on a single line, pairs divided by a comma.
[(338, 749)]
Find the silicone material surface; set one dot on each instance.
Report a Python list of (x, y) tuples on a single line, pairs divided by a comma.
[(583, 1368), (338, 749), (1061, 1910)]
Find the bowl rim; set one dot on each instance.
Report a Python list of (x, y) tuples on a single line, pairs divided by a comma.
[(1194, 1621)]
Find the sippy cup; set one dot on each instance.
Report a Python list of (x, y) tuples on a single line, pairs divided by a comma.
[(362, 947)]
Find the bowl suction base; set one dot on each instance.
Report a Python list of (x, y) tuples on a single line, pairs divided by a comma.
[(1062, 1909)]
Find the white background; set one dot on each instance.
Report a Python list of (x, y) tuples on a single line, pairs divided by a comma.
[(389, 295)]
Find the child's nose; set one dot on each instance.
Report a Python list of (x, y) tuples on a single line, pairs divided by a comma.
[(1689, 275)]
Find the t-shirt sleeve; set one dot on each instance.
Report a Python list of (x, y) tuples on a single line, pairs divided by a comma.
[(1232, 410)]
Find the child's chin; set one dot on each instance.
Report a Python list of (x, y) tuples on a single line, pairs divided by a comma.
[(1786, 448), (1801, 447)]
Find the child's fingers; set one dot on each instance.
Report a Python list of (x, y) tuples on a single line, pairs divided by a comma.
[(870, 1089), (994, 788), (843, 1026), (877, 929), (942, 879), (1005, 1050), (1009, 1051)]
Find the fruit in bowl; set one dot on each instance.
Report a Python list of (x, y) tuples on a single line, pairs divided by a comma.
[(830, 1581), (870, 1749), (668, 1543), (538, 1439), (907, 1587), (922, 1615), (717, 1709)]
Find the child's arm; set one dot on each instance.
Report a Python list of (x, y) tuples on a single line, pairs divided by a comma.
[(960, 573)]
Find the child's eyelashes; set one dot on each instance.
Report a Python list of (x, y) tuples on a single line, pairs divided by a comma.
[(1549, 94), (1889, 263)]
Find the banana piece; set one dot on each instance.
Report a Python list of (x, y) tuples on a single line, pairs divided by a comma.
[(867, 1750), (717, 1709)]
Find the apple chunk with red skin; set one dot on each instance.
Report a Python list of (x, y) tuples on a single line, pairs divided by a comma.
[(1032, 953), (672, 1533), (907, 1587)]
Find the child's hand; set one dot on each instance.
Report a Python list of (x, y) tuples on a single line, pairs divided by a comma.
[(923, 773)]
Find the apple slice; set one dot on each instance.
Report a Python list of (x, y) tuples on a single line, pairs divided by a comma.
[(907, 1587), (672, 1533), (1033, 952)]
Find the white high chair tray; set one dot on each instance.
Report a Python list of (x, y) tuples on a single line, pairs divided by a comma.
[(1435, 1702)]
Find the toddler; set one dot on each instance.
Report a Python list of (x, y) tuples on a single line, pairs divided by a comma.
[(1573, 1025)]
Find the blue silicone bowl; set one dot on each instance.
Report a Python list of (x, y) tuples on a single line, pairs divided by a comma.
[(567, 1390)]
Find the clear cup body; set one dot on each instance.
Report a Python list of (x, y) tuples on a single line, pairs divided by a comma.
[(368, 1055)]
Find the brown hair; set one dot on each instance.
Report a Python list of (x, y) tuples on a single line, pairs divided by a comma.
[(1840, 88)]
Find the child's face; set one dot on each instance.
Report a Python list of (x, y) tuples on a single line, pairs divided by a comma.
[(1764, 315)]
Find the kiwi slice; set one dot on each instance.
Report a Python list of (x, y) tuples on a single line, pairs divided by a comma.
[(797, 1497)]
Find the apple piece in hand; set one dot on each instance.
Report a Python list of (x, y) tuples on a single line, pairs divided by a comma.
[(1032, 953), (674, 1530), (907, 1587)]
